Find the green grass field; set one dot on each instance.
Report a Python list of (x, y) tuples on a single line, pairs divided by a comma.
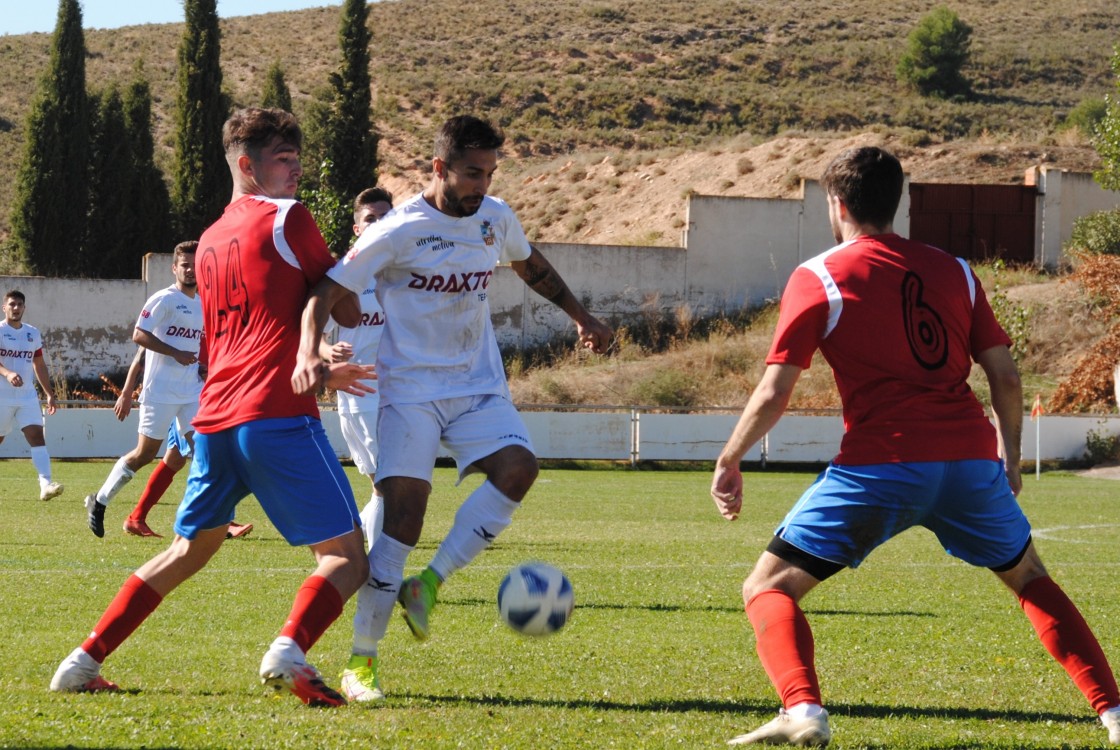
[(915, 649)]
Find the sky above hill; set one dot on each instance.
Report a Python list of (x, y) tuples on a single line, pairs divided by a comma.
[(26, 16)]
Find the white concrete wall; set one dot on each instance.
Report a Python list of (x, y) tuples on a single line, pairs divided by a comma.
[(619, 436), (1064, 197)]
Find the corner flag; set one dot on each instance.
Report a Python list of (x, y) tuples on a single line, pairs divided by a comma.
[(1036, 410)]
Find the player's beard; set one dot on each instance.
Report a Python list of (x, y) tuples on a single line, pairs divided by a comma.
[(455, 204)]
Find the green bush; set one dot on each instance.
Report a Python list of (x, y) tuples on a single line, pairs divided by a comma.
[(936, 51), (1086, 116), (1097, 234), (665, 388), (1100, 447)]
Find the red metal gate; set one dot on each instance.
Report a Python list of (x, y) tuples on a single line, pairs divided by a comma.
[(975, 222)]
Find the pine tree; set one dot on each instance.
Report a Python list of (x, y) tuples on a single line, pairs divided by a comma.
[(51, 186), (343, 144), (276, 93), (147, 192), (110, 220), (936, 51), (201, 177)]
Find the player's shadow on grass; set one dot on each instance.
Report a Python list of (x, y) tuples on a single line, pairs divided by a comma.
[(656, 607), (764, 708)]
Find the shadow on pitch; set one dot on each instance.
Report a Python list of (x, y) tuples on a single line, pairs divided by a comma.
[(657, 607)]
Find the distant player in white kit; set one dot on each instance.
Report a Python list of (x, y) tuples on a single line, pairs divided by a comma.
[(21, 362), (441, 377), (170, 328), (358, 419)]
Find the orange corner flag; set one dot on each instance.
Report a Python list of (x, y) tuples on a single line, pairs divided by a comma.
[(1036, 410)]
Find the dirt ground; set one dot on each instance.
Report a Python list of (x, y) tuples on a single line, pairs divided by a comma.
[(640, 197)]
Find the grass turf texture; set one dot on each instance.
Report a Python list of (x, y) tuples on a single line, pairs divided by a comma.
[(915, 649)]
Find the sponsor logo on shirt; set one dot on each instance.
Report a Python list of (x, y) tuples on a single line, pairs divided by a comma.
[(146, 314), (453, 284), (488, 233), (435, 243), (15, 354), (183, 308), (184, 333), (372, 319)]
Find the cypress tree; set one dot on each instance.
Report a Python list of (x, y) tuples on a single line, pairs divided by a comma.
[(201, 179), (51, 185), (276, 93), (345, 146), (147, 192), (110, 221)]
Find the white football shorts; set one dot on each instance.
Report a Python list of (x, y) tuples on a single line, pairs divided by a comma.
[(155, 419), (17, 416), (470, 428)]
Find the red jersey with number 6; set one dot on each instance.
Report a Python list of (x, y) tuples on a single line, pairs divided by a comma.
[(900, 323), (255, 266)]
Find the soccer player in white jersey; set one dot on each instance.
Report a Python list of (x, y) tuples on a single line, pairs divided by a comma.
[(358, 419), (441, 377), (21, 360), (170, 328)]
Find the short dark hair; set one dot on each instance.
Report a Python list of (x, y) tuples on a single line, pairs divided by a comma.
[(183, 248), (254, 127), (16, 294), (369, 196), (869, 181), (464, 132)]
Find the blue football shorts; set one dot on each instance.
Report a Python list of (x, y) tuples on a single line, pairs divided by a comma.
[(178, 439), (289, 465), (851, 510)]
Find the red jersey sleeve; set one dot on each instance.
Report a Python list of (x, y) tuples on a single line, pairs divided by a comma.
[(801, 321), (302, 235)]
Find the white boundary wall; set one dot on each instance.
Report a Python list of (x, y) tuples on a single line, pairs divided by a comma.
[(617, 435)]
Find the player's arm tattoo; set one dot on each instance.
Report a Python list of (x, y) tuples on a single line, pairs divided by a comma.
[(542, 278)]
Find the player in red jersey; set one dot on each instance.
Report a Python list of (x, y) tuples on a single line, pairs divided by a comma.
[(900, 323), (256, 265)]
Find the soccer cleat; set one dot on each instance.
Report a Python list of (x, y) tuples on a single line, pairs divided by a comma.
[(359, 680), (418, 597), (138, 527), (1111, 721), (280, 671), (49, 490), (810, 731), (79, 673), (238, 530), (96, 516)]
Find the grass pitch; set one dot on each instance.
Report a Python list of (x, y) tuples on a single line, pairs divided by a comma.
[(915, 649)]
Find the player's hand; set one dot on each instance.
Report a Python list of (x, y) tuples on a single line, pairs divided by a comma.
[(123, 407), (52, 405), (15, 379), (341, 352), (309, 375), (1014, 478), (727, 490), (185, 358), (350, 378), (594, 334)]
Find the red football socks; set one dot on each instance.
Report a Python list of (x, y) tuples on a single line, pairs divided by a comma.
[(317, 605), (158, 483), (785, 646), (1065, 634), (130, 607)]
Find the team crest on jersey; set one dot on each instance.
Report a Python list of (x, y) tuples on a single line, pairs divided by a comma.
[(487, 233), (29, 337)]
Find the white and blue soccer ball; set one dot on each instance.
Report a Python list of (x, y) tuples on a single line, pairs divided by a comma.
[(535, 598)]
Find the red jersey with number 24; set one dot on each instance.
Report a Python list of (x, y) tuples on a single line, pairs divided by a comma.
[(255, 266), (900, 323)]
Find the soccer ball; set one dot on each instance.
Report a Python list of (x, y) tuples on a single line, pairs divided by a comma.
[(535, 598)]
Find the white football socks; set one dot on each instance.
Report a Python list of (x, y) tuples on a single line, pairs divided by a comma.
[(378, 596), (117, 479), (479, 520)]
